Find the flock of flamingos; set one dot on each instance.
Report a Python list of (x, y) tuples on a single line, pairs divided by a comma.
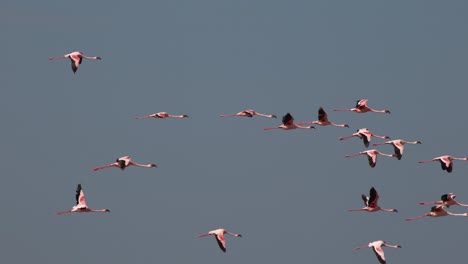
[(370, 202)]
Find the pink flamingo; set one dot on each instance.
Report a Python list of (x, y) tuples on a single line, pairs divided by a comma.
[(288, 123), (371, 156), (81, 206), (447, 200), (161, 115), (398, 146), (361, 107), (219, 235), (365, 135), (124, 162), (436, 211), (445, 162), (323, 120), (75, 57), (371, 203), (249, 113), (377, 248)]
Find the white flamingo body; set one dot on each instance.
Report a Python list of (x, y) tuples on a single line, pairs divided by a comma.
[(323, 120), (124, 162), (436, 211), (445, 162), (80, 206), (366, 135), (361, 107), (371, 203), (219, 236), (377, 248), (249, 113), (398, 146), (288, 124), (75, 57), (447, 200), (371, 156), (161, 115)]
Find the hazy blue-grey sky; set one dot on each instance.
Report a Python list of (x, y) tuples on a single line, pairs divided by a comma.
[(286, 192)]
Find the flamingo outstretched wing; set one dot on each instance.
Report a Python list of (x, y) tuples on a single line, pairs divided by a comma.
[(80, 197), (221, 242)]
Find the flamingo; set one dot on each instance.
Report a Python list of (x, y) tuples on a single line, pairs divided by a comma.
[(81, 206), (371, 156), (436, 211), (361, 107), (75, 57), (398, 146), (371, 203), (323, 120), (249, 113), (288, 123), (447, 200), (124, 162), (366, 135), (377, 248), (219, 235), (161, 115), (445, 162)]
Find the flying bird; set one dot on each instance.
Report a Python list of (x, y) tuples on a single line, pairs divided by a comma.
[(219, 235), (447, 200), (445, 162), (377, 248), (288, 123), (398, 146), (124, 162), (161, 115), (323, 120), (75, 57), (371, 203), (364, 134), (371, 156), (80, 206), (361, 107), (249, 113), (436, 211)]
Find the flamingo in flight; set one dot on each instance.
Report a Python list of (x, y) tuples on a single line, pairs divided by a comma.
[(288, 124), (445, 162), (377, 248), (124, 162), (436, 211), (371, 203), (364, 134), (371, 156), (81, 206), (75, 57), (323, 120), (249, 113), (361, 107), (219, 235), (447, 200), (161, 115), (398, 146)]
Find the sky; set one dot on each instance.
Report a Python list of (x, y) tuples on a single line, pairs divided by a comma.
[(286, 192)]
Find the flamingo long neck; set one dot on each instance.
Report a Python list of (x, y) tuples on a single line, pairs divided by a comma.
[(177, 116), (388, 210), (338, 125), (141, 165), (391, 246), (99, 210), (89, 58)]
